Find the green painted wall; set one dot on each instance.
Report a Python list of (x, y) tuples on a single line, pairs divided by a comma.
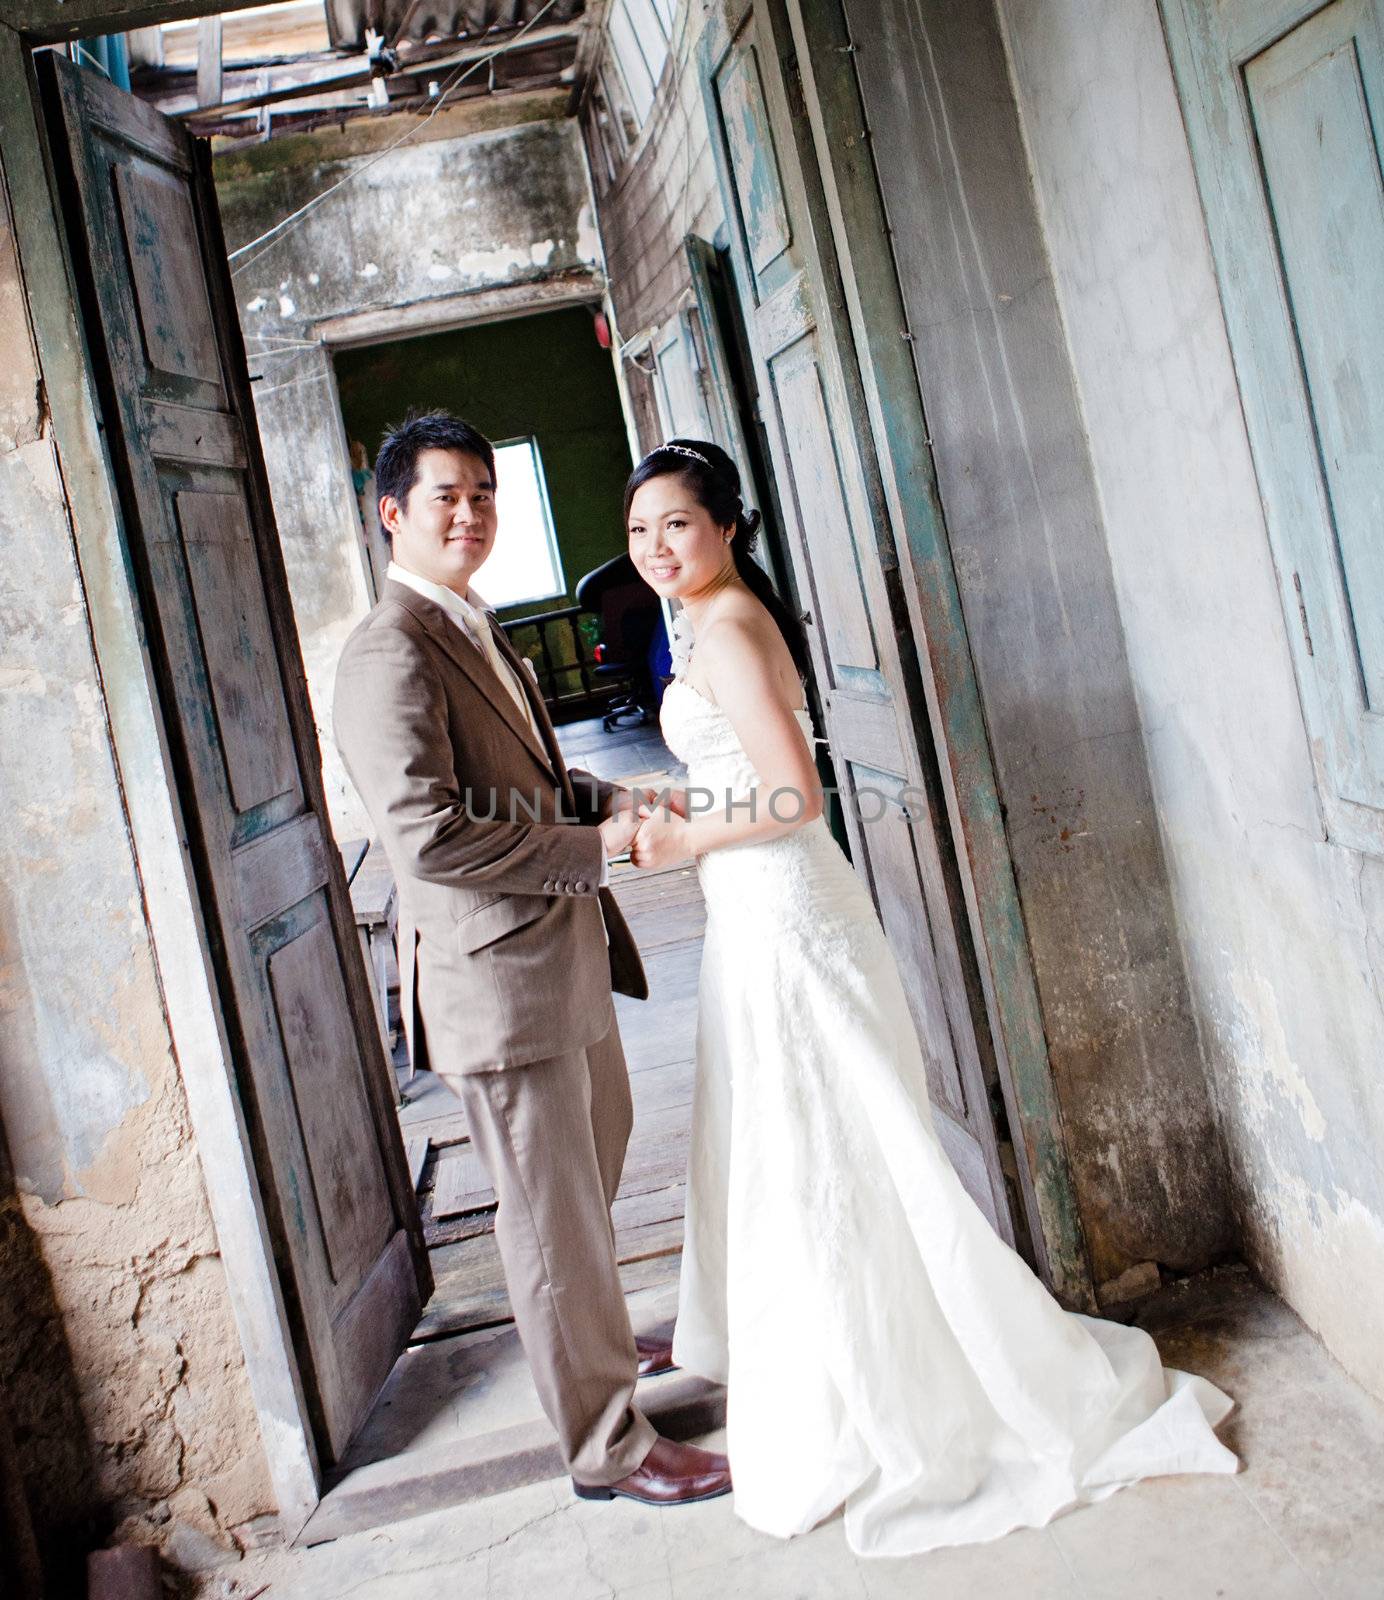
[(543, 375)]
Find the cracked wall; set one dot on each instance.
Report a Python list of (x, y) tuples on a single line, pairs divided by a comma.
[(119, 1361), (1282, 932)]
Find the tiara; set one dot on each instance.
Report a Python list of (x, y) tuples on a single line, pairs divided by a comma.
[(679, 450), (695, 455)]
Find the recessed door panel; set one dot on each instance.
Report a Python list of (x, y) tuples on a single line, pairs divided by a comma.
[(316, 1091), (329, 1106), (247, 695), (170, 296), (826, 524), (1323, 183)]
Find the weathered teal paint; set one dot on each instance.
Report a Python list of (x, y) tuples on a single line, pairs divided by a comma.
[(755, 163), (1283, 104), (959, 732)]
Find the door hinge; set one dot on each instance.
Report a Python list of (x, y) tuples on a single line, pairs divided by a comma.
[(1302, 613)]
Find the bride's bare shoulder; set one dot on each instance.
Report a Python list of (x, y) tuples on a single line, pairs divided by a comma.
[(741, 652), (736, 635)]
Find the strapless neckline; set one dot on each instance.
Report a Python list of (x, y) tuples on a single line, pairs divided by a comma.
[(711, 705)]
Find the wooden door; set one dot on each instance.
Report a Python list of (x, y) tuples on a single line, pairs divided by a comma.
[(1284, 104), (311, 1074), (846, 575)]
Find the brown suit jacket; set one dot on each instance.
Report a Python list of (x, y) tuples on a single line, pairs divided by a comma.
[(492, 842)]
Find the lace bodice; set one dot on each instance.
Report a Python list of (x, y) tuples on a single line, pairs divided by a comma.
[(797, 885), (699, 733)]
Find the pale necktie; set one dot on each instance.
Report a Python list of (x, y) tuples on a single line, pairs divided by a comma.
[(478, 627), (474, 622)]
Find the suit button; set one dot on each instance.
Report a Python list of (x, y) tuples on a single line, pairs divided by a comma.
[(581, 888), (549, 887)]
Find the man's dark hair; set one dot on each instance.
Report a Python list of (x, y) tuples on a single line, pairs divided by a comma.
[(396, 466)]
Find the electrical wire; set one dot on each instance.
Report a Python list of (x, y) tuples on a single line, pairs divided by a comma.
[(99, 65), (272, 236), (288, 383)]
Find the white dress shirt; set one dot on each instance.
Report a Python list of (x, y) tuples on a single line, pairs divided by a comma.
[(470, 615)]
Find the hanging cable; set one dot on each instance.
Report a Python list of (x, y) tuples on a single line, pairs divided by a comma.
[(271, 236), (82, 50)]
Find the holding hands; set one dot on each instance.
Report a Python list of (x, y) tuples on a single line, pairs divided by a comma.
[(651, 825), (628, 811), (662, 840)]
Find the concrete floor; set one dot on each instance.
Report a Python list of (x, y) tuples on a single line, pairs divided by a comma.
[(1303, 1518)]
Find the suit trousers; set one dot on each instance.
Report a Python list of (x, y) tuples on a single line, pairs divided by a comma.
[(552, 1136)]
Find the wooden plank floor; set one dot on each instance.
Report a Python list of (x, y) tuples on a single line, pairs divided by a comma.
[(667, 918)]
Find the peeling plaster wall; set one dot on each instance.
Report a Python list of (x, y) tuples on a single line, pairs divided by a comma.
[(413, 233), (1283, 933), (122, 1369)]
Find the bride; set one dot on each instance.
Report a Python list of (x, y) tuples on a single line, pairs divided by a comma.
[(883, 1348)]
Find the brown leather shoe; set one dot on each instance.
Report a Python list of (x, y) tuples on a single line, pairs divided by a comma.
[(670, 1475), (655, 1357)]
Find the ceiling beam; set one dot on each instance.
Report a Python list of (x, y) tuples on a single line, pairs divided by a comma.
[(54, 21), (402, 83), (209, 79), (353, 130), (242, 128)]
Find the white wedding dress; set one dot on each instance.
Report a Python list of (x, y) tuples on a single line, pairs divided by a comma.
[(883, 1348)]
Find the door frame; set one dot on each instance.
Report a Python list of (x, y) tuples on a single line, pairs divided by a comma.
[(899, 432), (152, 803), (354, 330), (850, 254)]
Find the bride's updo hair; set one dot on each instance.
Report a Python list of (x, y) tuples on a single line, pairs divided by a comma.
[(714, 481)]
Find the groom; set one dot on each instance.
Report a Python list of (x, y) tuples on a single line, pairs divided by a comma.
[(509, 945)]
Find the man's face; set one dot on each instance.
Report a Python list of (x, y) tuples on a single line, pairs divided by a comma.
[(446, 527)]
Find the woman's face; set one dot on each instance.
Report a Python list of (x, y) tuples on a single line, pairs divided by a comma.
[(675, 546)]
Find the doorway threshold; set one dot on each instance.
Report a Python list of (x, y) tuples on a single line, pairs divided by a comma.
[(459, 1419)]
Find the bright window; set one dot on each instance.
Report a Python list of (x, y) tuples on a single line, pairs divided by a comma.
[(524, 565)]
